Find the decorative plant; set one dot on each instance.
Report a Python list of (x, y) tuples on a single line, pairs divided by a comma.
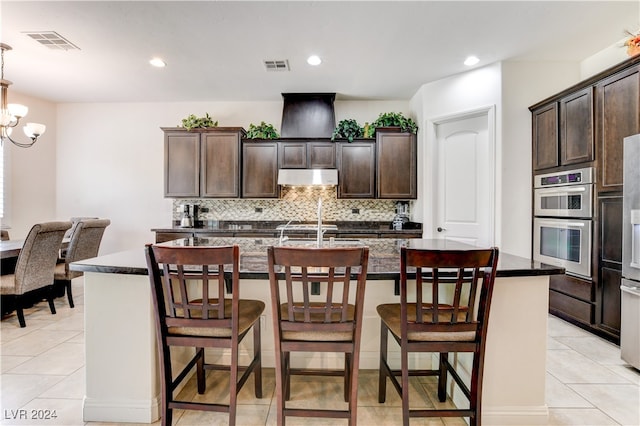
[(347, 129), (395, 119), (633, 43), (262, 131), (193, 122)]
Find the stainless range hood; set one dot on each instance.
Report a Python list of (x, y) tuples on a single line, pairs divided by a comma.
[(308, 177)]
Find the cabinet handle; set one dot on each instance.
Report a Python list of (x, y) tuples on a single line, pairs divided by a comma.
[(440, 229)]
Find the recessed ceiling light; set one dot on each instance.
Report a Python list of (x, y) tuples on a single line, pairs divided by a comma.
[(471, 60), (314, 60), (157, 62)]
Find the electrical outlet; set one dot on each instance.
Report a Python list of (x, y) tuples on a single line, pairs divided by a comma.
[(355, 211), (258, 209), (204, 209)]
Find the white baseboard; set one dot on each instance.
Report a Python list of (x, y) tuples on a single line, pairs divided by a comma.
[(118, 410)]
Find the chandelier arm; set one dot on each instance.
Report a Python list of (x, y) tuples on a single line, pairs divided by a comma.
[(5, 137)]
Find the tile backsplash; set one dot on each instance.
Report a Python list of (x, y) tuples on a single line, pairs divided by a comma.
[(299, 203)]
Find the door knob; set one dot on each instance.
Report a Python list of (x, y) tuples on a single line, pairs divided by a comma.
[(440, 229)]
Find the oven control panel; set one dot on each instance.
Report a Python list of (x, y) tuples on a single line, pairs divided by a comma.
[(572, 177)]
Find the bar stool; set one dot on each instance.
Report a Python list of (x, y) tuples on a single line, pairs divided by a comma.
[(191, 311), (329, 323), (453, 319)]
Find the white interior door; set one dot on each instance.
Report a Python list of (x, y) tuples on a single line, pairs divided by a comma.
[(464, 180)]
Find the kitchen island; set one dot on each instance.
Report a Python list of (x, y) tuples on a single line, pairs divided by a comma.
[(122, 376)]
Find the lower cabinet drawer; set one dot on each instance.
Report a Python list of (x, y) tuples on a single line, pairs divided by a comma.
[(161, 237), (572, 286), (561, 305)]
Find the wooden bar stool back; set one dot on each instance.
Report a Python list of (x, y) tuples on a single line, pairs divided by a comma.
[(330, 322), (461, 283), (187, 285)]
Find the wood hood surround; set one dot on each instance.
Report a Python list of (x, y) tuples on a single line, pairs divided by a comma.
[(308, 115)]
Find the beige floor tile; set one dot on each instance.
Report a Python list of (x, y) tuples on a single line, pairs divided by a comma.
[(557, 394), (7, 362), (579, 417), (63, 359), (17, 390), (558, 327), (36, 342), (620, 402), (594, 348), (554, 344), (71, 387), (569, 366)]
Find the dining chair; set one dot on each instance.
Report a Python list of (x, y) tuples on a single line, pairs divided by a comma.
[(84, 244), (329, 323), (35, 266), (191, 310), (69, 234), (452, 318)]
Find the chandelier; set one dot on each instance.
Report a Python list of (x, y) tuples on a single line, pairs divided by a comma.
[(10, 114)]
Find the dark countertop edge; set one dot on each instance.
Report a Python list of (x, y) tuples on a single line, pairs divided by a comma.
[(509, 266), (273, 230), (126, 270)]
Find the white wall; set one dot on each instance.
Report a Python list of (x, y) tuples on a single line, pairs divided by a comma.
[(30, 177), (511, 87), (523, 84), (110, 157), (458, 94)]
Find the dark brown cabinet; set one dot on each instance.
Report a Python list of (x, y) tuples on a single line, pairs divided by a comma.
[(563, 131), (609, 273), (594, 116), (181, 164), (617, 116), (306, 155), (356, 163), (202, 163), (260, 169), (545, 136), (396, 158), (576, 127)]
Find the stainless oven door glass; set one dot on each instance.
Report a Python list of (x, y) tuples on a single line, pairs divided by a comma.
[(564, 201), (564, 242)]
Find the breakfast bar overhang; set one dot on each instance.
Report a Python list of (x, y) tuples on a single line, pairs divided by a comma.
[(122, 376)]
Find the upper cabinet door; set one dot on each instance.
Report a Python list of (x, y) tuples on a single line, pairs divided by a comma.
[(617, 116), (321, 155), (221, 164), (576, 127), (396, 175), (356, 169), (260, 170), (181, 164), (545, 136), (292, 155)]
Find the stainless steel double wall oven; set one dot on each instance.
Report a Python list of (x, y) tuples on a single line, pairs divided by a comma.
[(563, 220)]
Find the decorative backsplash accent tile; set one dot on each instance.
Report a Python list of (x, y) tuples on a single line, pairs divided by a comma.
[(300, 204)]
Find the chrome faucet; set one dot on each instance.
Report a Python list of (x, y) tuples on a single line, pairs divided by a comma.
[(282, 237)]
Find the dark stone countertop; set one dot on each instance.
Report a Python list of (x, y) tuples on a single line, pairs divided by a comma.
[(238, 228), (384, 257)]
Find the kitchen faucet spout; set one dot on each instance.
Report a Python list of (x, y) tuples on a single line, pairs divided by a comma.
[(319, 235)]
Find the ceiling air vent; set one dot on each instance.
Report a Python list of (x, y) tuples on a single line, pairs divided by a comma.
[(277, 65), (52, 40)]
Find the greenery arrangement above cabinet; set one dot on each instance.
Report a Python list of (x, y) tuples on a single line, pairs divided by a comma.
[(202, 162)]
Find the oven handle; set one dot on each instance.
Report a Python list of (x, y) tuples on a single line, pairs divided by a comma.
[(561, 192), (563, 224)]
